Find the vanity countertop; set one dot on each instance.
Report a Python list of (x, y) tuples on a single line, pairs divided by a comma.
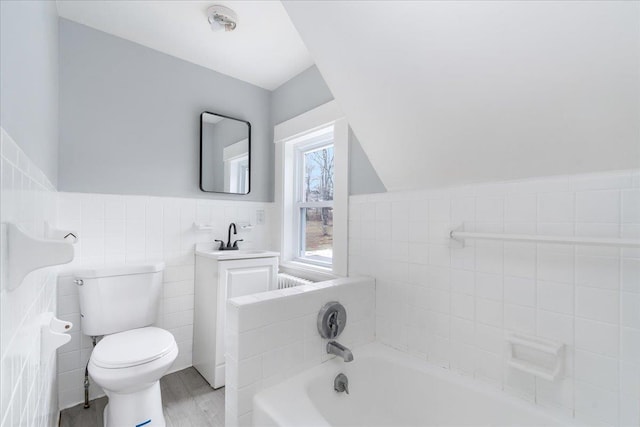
[(208, 252)]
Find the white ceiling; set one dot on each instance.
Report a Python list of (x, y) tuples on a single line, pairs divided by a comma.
[(265, 49), (443, 93)]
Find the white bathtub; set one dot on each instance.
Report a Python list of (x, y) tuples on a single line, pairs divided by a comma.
[(390, 388)]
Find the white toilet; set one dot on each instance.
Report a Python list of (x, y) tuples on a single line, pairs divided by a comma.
[(121, 303)]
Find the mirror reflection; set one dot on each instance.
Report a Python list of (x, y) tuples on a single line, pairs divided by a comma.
[(225, 159)]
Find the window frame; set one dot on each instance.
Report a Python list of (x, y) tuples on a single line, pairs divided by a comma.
[(286, 135)]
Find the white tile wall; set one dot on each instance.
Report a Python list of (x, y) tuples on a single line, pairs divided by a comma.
[(28, 392), (273, 335), (130, 229), (453, 306)]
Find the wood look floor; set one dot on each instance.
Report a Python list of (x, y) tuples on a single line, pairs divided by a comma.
[(187, 400)]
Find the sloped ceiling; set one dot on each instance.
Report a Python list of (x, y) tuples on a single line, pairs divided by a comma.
[(442, 93), (264, 50)]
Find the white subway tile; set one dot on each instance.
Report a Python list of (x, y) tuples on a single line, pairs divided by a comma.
[(462, 306), (439, 232), (556, 297), (601, 181), (463, 281), (489, 312), (463, 358), (489, 286), (595, 403), (439, 256), (629, 411), (383, 211), (544, 184), (439, 210), (555, 326), (555, 396), (399, 211), (490, 209), (520, 227), (520, 208), (600, 272), (631, 206), (630, 309), (418, 210), (519, 259), (439, 301), (598, 304), (630, 344), (418, 253), (519, 319), (400, 230), (555, 207), (92, 208), (597, 370), (519, 291), (591, 229), (598, 206), (463, 258), (520, 384), (462, 330), (597, 337), (383, 231), (462, 210), (418, 274), (489, 367), (418, 231), (489, 257), (400, 251), (631, 275), (555, 266)]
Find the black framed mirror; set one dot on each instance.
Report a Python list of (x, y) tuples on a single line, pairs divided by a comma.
[(225, 154)]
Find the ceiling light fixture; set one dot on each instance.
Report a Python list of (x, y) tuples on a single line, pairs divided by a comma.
[(222, 17)]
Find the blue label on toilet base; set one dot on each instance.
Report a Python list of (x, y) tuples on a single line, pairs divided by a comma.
[(144, 423)]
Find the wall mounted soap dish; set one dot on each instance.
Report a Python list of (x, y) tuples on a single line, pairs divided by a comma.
[(537, 356), (26, 254)]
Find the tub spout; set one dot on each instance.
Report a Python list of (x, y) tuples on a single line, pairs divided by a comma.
[(338, 349)]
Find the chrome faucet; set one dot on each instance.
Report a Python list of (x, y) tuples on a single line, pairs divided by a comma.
[(229, 246), (338, 349)]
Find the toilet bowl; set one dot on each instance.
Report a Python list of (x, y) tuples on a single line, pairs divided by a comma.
[(120, 303), (128, 366)]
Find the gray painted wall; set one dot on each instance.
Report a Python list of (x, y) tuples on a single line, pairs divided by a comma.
[(306, 91), (29, 80), (130, 118), (301, 93), (363, 178)]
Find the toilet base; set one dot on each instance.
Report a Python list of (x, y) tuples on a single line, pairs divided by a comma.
[(142, 408)]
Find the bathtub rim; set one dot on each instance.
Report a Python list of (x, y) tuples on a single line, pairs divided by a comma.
[(300, 409)]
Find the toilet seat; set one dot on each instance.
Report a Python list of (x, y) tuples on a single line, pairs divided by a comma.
[(132, 348)]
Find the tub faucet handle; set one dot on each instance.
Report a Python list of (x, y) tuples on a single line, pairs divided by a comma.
[(333, 324), (341, 383)]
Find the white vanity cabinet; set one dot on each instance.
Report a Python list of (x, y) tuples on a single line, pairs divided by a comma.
[(221, 275)]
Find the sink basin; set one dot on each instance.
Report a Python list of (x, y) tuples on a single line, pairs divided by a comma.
[(239, 254)]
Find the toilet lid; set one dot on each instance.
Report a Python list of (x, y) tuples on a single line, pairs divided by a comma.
[(131, 348)]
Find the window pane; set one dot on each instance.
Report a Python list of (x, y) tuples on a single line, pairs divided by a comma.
[(317, 234), (318, 175)]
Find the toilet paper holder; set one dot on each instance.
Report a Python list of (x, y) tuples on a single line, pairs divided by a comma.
[(54, 333)]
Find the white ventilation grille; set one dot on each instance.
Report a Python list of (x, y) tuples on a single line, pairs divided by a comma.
[(289, 281)]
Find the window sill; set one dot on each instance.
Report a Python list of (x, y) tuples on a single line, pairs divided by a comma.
[(308, 271)]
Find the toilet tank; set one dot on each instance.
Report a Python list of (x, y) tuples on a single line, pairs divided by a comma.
[(119, 298)]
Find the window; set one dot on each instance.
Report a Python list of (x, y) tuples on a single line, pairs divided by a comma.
[(313, 206), (312, 156)]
